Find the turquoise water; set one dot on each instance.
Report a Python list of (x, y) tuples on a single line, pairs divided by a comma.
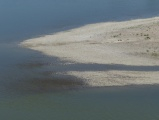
[(30, 84)]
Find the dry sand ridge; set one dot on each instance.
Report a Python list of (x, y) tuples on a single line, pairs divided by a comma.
[(133, 44)]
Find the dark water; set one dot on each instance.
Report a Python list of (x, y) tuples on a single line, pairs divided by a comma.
[(126, 103), (33, 86)]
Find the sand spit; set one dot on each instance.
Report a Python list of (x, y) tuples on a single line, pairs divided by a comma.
[(131, 43)]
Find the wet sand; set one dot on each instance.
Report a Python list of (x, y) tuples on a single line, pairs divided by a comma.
[(128, 43)]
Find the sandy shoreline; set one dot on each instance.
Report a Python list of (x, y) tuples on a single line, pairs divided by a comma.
[(131, 43)]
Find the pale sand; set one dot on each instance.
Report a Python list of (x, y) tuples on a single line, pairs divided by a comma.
[(134, 42)]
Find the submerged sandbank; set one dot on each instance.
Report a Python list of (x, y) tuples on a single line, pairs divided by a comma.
[(133, 43)]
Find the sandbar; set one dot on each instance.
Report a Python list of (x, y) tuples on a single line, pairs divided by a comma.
[(130, 43)]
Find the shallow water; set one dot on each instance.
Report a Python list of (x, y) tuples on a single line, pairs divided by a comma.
[(33, 86)]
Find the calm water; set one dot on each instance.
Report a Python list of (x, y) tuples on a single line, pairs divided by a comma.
[(133, 103), (29, 90)]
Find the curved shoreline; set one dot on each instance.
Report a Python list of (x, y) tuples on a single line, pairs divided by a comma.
[(133, 43)]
